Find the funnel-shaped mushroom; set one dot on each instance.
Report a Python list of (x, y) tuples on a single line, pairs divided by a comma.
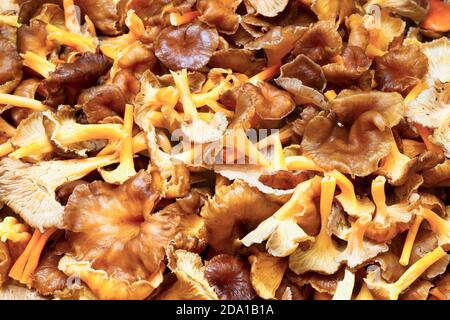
[(29, 190)]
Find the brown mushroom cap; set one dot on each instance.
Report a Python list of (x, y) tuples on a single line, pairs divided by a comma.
[(33, 38), (112, 227), (83, 72), (102, 101), (10, 66), (238, 60), (320, 42), (400, 70), (47, 278), (188, 46), (229, 277), (105, 14), (220, 14), (356, 151)]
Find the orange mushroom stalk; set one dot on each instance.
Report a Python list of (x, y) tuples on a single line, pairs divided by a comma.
[(22, 102), (29, 259), (177, 19)]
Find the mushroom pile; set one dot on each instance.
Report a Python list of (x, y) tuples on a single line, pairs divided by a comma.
[(225, 149)]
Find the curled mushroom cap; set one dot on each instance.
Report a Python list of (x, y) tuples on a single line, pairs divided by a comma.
[(400, 70), (188, 46), (358, 34), (277, 42), (110, 288), (231, 206), (356, 151), (438, 176), (106, 15), (383, 29), (29, 190), (332, 9), (238, 60), (229, 277), (102, 101), (320, 42), (437, 52), (350, 105), (191, 283), (120, 215), (416, 10), (10, 66), (47, 278), (220, 14), (33, 38), (266, 274), (83, 72), (269, 8), (353, 71), (263, 102)]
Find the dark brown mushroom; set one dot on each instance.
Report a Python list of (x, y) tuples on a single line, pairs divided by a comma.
[(321, 42), (10, 66), (83, 72), (47, 279), (102, 101), (106, 15), (400, 70), (220, 14), (238, 60), (229, 277), (188, 46)]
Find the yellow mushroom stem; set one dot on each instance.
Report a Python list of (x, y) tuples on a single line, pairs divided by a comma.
[(81, 42), (125, 169), (163, 141), (414, 93), (210, 98), (364, 293), (379, 198), (18, 101), (7, 129), (278, 162), (28, 261), (439, 225), (38, 64), (409, 242), (14, 231), (10, 20), (75, 132), (344, 287), (70, 17), (330, 95), (267, 74), (39, 147), (414, 272), (347, 197), (6, 148), (302, 163), (182, 84), (424, 134), (177, 19), (328, 187)]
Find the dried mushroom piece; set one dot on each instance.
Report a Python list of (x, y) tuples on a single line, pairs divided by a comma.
[(188, 46), (127, 224), (29, 190), (269, 8), (10, 66), (232, 206), (266, 274), (220, 14), (320, 43), (106, 15), (191, 283), (416, 10), (332, 9), (229, 277), (284, 229), (400, 70)]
